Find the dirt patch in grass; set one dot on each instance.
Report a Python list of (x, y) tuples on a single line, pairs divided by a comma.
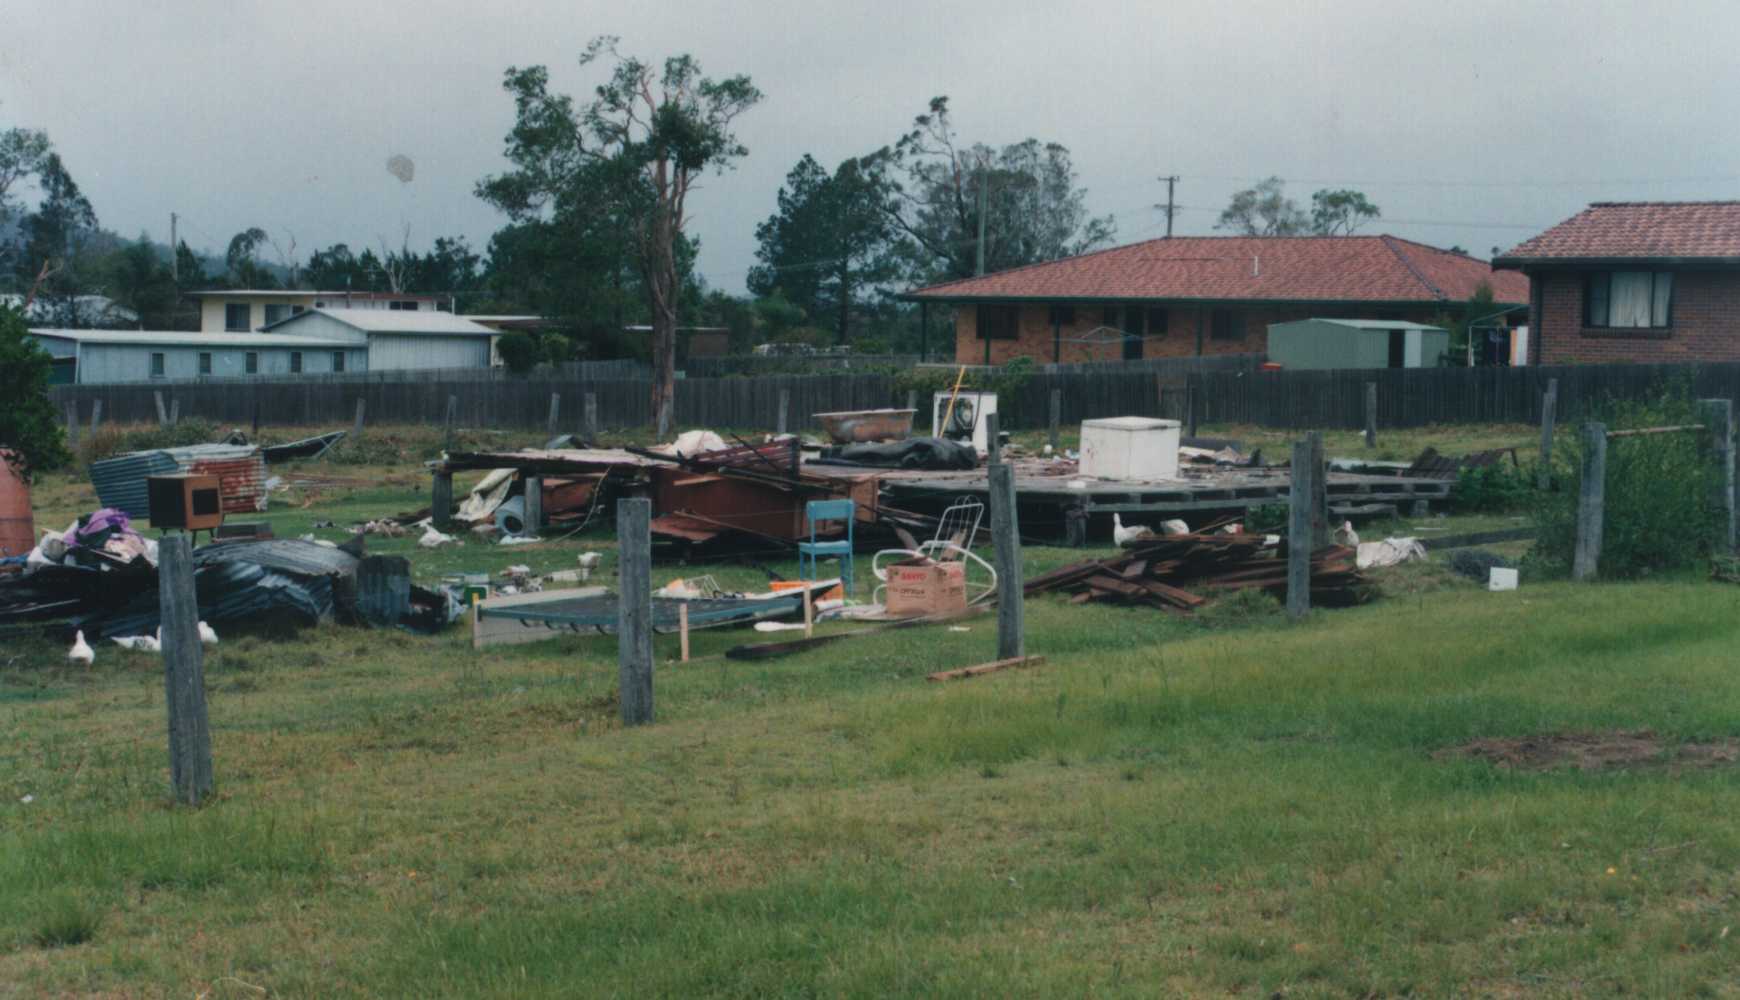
[(1638, 748)]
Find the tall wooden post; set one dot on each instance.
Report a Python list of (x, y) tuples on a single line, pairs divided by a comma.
[(441, 499), (634, 645), (1006, 536), (162, 411), (784, 409), (1299, 504), (534, 504), (555, 417), (96, 414), (452, 416), (1549, 408), (357, 424), (993, 441), (1320, 527), (1720, 414), (592, 418), (1591, 499), (190, 772), (72, 423), (1190, 405), (174, 412), (1371, 414), (1056, 418)]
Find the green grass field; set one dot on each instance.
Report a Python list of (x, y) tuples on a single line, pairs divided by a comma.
[(1231, 804)]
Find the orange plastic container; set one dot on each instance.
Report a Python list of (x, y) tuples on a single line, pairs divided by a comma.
[(17, 526)]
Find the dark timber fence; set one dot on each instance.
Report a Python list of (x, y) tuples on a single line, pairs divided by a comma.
[(1284, 399)]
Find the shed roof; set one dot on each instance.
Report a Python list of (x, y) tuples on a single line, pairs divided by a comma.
[(394, 321), (185, 338), (1248, 268), (1637, 230)]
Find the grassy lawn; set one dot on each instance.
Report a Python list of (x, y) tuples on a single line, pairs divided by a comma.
[(1230, 804)]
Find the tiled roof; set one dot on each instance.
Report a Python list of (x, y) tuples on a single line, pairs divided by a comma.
[(1616, 230), (1250, 268)]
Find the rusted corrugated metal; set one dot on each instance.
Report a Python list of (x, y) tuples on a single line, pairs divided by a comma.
[(241, 481)]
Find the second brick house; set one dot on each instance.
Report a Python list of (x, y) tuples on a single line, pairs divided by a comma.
[(1638, 281), (1195, 295)]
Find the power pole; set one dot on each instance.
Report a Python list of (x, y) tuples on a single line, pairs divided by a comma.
[(982, 200), (174, 258), (1171, 182)]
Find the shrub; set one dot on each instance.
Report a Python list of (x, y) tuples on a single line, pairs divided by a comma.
[(1658, 501), (1493, 489), (27, 423)]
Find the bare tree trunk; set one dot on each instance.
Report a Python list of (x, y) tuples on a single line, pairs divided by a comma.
[(664, 287)]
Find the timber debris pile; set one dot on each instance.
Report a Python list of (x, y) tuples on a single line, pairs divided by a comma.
[(1158, 572)]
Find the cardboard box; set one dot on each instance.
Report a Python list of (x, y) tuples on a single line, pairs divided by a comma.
[(923, 587)]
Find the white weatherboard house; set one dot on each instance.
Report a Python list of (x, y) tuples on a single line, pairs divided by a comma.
[(313, 342)]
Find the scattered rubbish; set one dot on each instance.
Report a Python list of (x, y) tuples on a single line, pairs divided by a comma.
[(1501, 578), (1389, 552), (311, 447), (1476, 564), (1431, 465), (1155, 572), (772, 650), (519, 540), (528, 617), (923, 586), (985, 668), (779, 626), (386, 528), (433, 539), (81, 651), (27, 799), (690, 443), (960, 628), (242, 529), (930, 453), (863, 426)]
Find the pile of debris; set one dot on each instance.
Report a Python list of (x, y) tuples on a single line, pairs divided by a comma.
[(1157, 572)]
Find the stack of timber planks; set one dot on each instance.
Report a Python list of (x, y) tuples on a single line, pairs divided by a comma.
[(1158, 572)]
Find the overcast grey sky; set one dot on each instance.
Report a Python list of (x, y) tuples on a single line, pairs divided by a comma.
[(1472, 123)]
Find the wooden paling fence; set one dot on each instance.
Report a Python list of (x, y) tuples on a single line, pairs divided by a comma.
[(1242, 395)]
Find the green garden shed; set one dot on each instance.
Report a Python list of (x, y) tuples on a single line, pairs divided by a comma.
[(1357, 343)]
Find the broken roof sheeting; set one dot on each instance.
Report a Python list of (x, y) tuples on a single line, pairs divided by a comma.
[(120, 481)]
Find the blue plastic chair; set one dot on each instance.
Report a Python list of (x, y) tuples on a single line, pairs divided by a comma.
[(815, 512)]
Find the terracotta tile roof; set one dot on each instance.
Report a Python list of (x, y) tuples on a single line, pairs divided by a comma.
[(1609, 230), (1249, 268)]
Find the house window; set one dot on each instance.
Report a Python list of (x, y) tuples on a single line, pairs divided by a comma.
[(295, 362), (274, 313), (1227, 324), (237, 316), (251, 364), (398, 305), (156, 364), (999, 322), (1133, 333), (1157, 319), (338, 361), (1628, 299), (205, 362)]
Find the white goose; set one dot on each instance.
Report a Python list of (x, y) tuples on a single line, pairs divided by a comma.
[(81, 652), (1125, 537)]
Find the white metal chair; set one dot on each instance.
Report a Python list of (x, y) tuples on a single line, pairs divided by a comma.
[(961, 521)]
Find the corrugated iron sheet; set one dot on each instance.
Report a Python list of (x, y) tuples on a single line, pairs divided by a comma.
[(120, 481), (241, 482)]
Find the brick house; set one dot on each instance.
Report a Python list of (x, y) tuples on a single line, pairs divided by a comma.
[(1195, 295), (1650, 282)]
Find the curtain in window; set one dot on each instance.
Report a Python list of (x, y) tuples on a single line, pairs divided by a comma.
[(1630, 298), (1664, 293)]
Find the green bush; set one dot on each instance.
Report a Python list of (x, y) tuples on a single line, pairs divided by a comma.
[(28, 427), (1659, 510), (1493, 489)]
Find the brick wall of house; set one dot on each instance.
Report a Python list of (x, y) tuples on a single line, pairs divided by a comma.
[(1037, 340), (1706, 323)]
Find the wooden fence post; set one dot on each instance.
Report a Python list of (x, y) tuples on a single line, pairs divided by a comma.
[(634, 646), (96, 414), (1300, 493), (1006, 536), (1319, 498), (784, 407), (1371, 414), (666, 409), (1549, 412), (591, 418), (190, 772), (1720, 413), (256, 430), (1190, 385), (357, 425), (72, 423), (452, 415), (912, 403), (555, 415), (174, 412), (441, 499), (534, 504), (162, 412), (1586, 559), (1056, 417), (993, 441)]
